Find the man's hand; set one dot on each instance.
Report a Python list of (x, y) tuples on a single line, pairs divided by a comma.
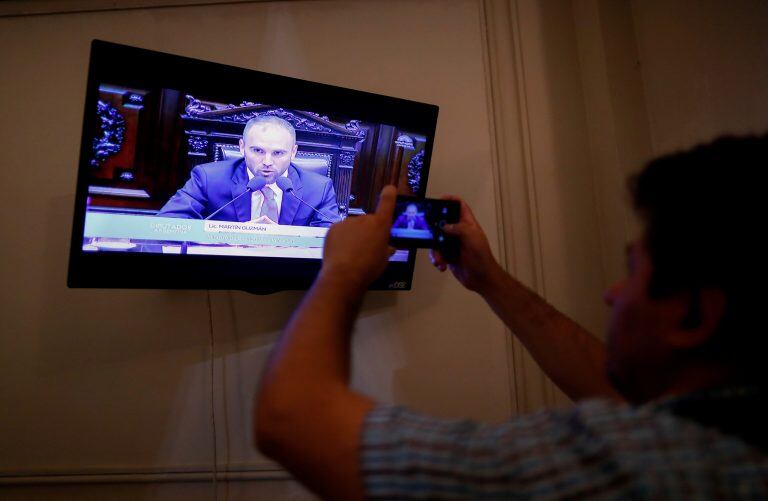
[(358, 248), (262, 220), (475, 265)]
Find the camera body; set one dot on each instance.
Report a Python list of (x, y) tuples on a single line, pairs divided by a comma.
[(418, 223)]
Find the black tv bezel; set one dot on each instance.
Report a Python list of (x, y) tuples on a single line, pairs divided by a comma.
[(141, 68)]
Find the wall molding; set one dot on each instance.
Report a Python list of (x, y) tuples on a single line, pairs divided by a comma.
[(520, 250), (127, 476), (25, 8), (531, 68)]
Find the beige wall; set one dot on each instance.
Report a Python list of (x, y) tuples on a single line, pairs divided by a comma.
[(705, 68)]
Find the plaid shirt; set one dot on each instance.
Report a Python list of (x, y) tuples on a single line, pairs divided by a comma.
[(597, 450)]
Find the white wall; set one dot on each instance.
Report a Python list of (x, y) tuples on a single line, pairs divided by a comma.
[(96, 381)]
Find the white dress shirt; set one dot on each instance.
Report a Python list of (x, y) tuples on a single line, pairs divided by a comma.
[(257, 197)]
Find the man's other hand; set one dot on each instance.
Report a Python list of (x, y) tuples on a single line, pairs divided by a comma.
[(474, 265), (357, 249)]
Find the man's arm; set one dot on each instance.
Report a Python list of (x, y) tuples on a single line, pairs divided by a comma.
[(571, 356), (190, 201), (306, 417)]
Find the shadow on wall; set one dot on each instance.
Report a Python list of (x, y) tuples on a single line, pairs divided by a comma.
[(85, 327), (81, 327), (126, 374)]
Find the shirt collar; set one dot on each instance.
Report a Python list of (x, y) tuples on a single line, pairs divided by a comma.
[(720, 392)]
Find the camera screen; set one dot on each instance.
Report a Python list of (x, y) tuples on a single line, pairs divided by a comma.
[(421, 221)]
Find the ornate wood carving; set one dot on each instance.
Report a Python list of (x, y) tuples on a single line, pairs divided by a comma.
[(111, 133)]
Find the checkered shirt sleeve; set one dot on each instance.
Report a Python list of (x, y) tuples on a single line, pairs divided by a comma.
[(597, 450)]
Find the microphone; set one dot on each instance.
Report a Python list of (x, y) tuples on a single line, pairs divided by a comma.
[(255, 184), (286, 185)]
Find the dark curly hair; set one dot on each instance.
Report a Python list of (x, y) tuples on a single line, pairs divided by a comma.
[(704, 211)]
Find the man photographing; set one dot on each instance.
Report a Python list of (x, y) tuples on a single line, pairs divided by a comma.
[(672, 405)]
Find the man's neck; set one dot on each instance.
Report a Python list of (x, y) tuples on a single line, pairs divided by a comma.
[(694, 377)]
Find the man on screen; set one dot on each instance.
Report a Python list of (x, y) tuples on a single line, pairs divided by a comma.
[(268, 147), (411, 219)]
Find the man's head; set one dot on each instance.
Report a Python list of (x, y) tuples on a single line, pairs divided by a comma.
[(268, 146), (411, 211), (689, 312)]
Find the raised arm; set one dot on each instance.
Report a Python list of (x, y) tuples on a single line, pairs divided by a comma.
[(306, 416), (327, 206), (571, 356)]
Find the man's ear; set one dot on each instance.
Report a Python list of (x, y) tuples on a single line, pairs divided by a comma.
[(706, 308), (242, 147), (295, 149)]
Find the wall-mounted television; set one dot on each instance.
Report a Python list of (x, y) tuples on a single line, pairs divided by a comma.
[(199, 175)]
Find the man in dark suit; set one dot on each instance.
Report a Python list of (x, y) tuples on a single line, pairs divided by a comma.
[(268, 147), (411, 219)]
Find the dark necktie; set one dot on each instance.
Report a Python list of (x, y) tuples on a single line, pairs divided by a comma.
[(269, 206)]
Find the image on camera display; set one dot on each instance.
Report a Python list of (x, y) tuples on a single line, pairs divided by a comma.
[(419, 222)]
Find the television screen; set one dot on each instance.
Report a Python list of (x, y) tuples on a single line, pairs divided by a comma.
[(194, 174)]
